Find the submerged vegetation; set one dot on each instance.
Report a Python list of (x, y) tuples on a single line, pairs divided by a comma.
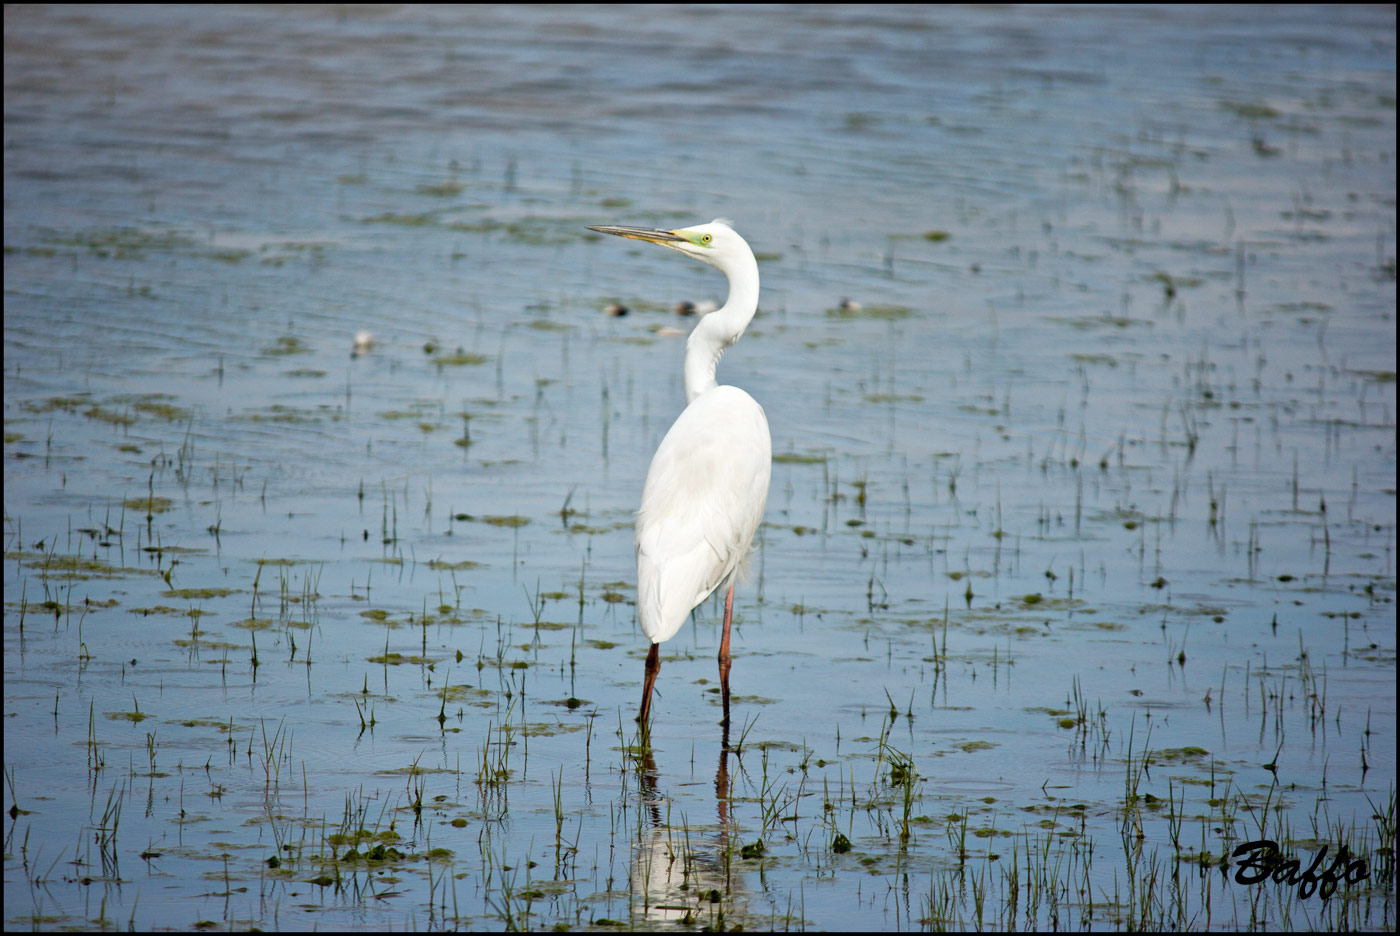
[(1076, 584)]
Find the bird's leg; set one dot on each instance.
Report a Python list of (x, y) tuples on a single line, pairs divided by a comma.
[(653, 667), (724, 651), (722, 783)]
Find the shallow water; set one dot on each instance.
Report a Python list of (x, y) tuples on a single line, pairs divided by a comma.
[(1083, 518)]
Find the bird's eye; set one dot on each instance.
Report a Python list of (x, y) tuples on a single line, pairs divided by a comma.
[(706, 238)]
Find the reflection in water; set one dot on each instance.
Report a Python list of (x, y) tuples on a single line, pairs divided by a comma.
[(1120, 321), (685, 873)]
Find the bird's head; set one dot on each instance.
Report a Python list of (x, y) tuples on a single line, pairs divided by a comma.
[(716, 243)]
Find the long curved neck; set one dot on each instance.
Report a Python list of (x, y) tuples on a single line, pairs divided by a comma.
[(714, 333)]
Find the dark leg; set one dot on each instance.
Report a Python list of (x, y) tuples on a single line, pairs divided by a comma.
[(722, 784), (724, 651), (653, 667)]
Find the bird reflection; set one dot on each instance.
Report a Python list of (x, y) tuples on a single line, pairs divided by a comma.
[(683, 874), (722, 783)]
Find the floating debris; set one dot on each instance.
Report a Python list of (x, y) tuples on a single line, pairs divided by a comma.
[(686, 307)]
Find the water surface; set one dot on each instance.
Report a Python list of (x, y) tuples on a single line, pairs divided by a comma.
[(1078, 564)]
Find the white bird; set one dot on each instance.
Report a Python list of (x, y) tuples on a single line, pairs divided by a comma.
[(708, 482)]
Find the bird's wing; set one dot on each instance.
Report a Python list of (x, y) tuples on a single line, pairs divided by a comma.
[(703, 500)]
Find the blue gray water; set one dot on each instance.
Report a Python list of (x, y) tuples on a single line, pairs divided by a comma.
[(1103, 463)]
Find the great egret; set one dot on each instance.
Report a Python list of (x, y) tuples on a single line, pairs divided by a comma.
[(708, 482)]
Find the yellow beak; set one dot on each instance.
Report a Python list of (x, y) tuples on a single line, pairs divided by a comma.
[(652, 235)]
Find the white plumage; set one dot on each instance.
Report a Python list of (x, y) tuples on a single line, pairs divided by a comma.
[(708, 482), (702, 503)]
